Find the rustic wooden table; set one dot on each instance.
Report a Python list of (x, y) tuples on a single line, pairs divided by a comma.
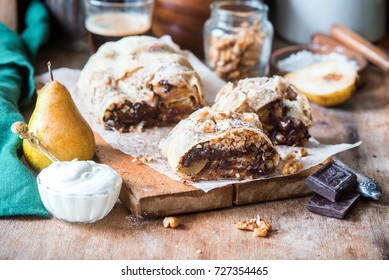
[(300, 234)]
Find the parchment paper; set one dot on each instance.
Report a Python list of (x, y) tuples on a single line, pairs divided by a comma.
[(146, 142)]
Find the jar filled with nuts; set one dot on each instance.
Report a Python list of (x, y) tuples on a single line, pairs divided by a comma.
[(238, 38)]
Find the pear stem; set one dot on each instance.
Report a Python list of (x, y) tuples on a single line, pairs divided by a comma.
[(21, 128), (50, 71)]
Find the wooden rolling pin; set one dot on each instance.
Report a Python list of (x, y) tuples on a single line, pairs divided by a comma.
[(358, 44)]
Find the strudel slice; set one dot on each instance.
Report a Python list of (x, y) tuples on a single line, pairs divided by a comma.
[(284, 113), (140, 79), (211, 145)]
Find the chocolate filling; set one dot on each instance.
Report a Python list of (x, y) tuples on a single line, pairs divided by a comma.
[(166, 87), (122, 117), (290, 132), (255, 165), (281, 129)]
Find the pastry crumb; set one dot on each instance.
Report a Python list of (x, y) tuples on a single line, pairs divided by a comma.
[(138, 128), (303, 152), (202, 116), (146, 158), (209, 126), (290, 155)]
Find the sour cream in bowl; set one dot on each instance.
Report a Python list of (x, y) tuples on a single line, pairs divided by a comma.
[(79, 191)]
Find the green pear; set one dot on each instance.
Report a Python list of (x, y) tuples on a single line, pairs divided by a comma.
[(59, 126)]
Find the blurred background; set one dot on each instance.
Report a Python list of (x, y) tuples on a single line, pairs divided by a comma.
[(294, 20)]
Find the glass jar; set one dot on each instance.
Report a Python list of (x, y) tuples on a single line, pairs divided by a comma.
[(238, 39), (111, 20)]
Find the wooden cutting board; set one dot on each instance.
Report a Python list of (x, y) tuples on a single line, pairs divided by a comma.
[(148, 193)]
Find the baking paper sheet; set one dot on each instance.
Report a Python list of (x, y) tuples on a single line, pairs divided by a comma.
[(146, 142)]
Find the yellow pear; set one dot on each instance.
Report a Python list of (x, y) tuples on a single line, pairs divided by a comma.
[(327, 83), (59, 126)]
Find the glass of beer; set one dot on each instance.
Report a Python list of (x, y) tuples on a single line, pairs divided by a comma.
[(111, 20)]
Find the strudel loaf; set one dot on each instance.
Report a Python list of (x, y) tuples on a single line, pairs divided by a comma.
[(284, 112), (140, 79), (211, 145)]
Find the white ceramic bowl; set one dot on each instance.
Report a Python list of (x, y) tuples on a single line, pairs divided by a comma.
[(82, 196)]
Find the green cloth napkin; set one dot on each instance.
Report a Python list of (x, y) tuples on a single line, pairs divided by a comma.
[(18, 188)]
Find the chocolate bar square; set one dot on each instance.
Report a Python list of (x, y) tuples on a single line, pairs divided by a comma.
[(339, 210), (332, 181)]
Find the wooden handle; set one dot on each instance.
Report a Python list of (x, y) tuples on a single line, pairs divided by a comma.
[(355, 42), (9, 14), (21, 129), (323, 39)]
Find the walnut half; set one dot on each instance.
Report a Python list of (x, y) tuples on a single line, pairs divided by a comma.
[(291, 166), (246, 225), (258, 226), (259, 232), (172, 222)]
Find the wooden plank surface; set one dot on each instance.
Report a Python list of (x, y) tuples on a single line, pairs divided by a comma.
[(269, 190), (147, 193), (364, 234)]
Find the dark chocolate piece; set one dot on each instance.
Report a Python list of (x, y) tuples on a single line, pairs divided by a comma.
[(367, 187), (339, 210), (332, 181)]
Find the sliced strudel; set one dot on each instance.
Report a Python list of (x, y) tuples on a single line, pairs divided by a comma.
[(140, 79), (284, 113), (210, 145)]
